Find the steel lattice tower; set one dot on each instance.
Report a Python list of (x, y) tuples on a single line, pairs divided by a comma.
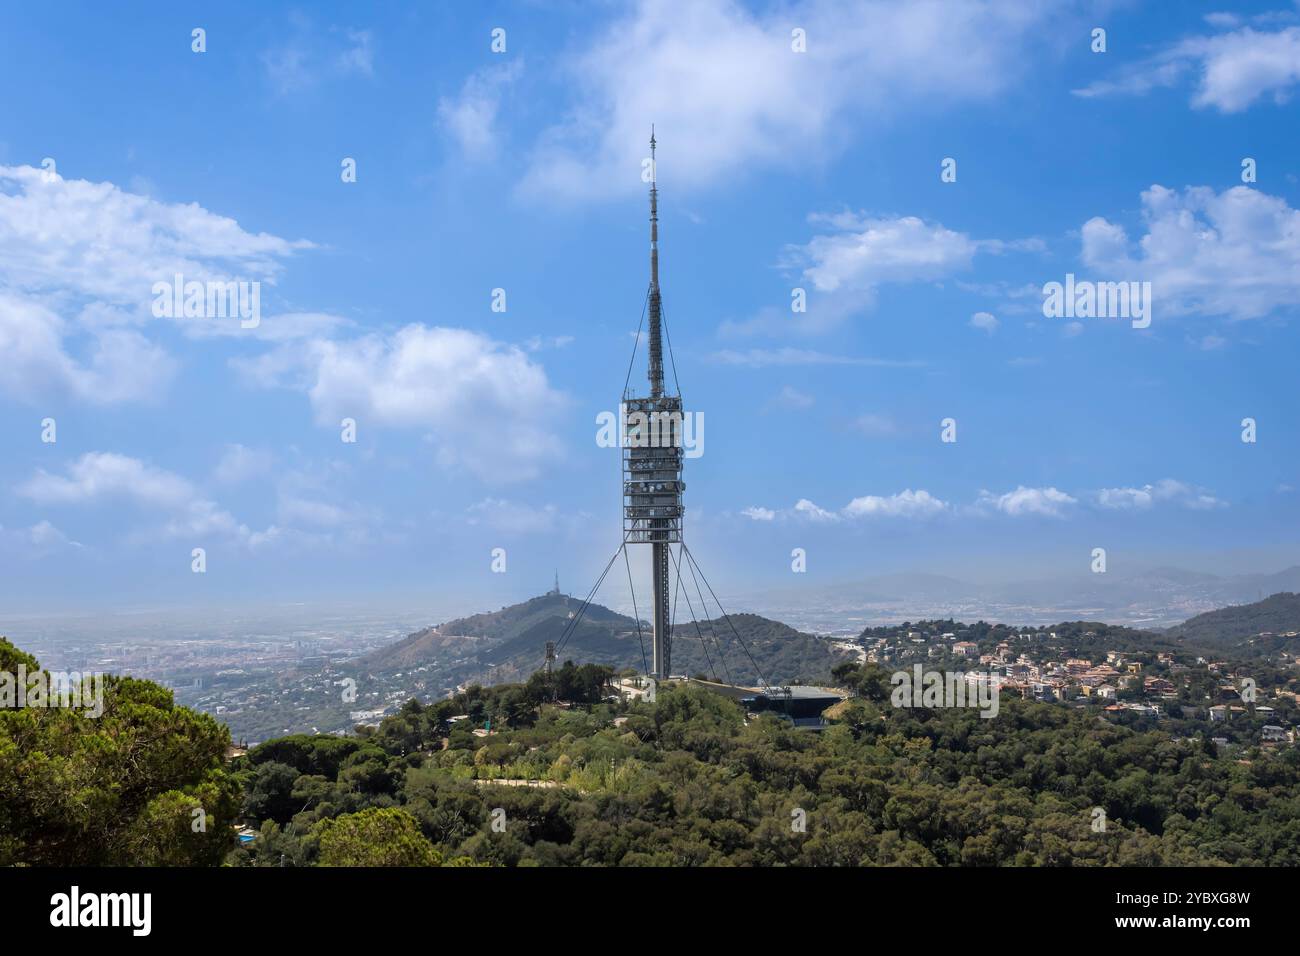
[(652, 457)]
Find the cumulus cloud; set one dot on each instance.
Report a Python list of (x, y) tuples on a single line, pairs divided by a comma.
[(489, 408), (1232, 71), (806, 509), (78, 263), (116, 365), (905, 504), (1234, 253), (1027, 501), (729, 94), (855, 255), (1167, 490), (98, 477), (985, 322), (1022, 501), (862, 252), (96, 240)]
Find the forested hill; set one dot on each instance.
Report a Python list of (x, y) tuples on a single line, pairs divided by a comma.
[(1237, 625), (689, 780), (508, 644)]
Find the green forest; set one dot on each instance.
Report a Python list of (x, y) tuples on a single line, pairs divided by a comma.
[(682, 781)]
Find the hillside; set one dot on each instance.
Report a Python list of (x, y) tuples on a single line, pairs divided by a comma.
[(1237, 625), (541, 617), (783, 654), (508, 645)]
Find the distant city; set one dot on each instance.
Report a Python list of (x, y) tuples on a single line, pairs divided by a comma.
[(275, 670)]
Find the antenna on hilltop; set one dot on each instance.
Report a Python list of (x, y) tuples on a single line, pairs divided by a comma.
[(652, 443)]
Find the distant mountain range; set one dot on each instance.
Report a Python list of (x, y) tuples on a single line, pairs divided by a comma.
[(1152, 598), (509, 644)]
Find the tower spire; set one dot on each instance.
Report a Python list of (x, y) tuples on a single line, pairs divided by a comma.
[(656, 370)]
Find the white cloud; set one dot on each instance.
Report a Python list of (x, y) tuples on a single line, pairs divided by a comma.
[(846, 265), (984, 321), (120, 365), (489, 406), (727, 93), (1047, 502), (806, 509), (98, 477), (1167, 490), (78, 261), (1234, 253), (1232, 70), (905, 504), (471, 117), (864, 252), (1027, 501), (95, 240)]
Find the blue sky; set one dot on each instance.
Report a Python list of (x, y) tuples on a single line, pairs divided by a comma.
[(521, 170)]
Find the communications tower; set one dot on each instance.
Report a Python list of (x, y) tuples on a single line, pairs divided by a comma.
[(652, 457)]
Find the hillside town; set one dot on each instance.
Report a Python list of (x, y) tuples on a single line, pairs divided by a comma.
[(1245, 702)]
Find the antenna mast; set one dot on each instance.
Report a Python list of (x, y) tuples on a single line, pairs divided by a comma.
[(656, 370)]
